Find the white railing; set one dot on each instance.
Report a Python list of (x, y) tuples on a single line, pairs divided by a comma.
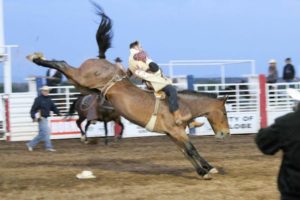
[(64, 97), (277, 97), (243, 106), (242, 97), (223, 64)]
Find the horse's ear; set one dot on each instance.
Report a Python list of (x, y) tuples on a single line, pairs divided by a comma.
[(225, 98)]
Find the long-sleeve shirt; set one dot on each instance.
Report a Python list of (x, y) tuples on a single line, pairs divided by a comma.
[(44, 104), (273, 75), (139, 68), (288, 72)]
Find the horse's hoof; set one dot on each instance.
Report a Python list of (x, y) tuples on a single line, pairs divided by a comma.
[(213, 171), (207, 177), (82, 139), (35, 55)]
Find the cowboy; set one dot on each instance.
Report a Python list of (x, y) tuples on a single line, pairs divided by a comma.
[(118, 62), (42, 106), (144, 68)]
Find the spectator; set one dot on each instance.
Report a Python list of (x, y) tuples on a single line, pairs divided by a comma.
[(54, 78), (118, 62), (272, 72), (284, 135), (42, 106), (288, 71)]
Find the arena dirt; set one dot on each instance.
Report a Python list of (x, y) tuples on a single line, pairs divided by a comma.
[(138, 168)]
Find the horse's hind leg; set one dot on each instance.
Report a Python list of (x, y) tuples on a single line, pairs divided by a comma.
[(86, 128), (119, 122), (188, 149), (62, 66), (203, 162), (78, 123), (105, 128)]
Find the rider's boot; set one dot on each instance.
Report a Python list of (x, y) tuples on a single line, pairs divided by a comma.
[(195, 124), (179, 119)]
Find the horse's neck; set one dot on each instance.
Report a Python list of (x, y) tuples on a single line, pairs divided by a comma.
[(198, 105), (131, 102)]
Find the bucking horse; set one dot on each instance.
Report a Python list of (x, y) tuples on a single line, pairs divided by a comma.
[(137, 105)]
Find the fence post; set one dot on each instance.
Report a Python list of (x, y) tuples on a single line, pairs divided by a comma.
[(190, 86), (7, 118), (263, 101), (190, 82), (39, 84)]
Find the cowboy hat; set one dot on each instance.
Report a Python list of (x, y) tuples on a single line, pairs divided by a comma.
[(272, 61), (295, 94), (45, 87), (85, 175)]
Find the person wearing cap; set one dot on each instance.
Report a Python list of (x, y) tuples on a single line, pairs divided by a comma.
[(272, 72), (141, 66), (284, 135), (288, 70), (42, 106), (118, 62)]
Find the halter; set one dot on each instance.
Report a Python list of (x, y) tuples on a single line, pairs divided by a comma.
[(116, 78)]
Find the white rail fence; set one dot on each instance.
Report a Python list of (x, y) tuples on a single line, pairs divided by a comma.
[(243, 108)]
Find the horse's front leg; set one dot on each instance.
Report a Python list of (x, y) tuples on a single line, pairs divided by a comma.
[(85, 130), (190, 152)]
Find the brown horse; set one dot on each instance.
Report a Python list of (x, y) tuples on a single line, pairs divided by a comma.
[(137, 105), (103, 112)]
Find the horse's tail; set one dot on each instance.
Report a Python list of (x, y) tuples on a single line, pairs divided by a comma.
[(104, 33)]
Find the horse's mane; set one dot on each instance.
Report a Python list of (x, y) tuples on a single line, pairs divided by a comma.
[(104, 33), (194, 93)]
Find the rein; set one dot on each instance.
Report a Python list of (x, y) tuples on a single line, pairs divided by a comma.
[(116, 78)]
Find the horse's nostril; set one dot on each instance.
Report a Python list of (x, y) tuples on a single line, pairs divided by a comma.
[(222, 133)]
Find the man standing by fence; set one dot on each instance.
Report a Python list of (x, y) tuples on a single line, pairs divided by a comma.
[(42, 106), (288, 71)]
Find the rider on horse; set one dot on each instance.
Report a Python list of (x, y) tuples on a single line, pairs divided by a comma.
[(143, 67)]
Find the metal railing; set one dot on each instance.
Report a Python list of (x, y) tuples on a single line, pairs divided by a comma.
[(277, 97), (64, 97), (242, 97)]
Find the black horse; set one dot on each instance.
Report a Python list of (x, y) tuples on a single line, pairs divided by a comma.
[(94, 107)]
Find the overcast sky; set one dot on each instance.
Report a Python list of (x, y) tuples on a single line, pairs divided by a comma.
[(167, 29)]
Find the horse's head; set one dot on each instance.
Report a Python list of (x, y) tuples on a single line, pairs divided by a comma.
[(217, 118)]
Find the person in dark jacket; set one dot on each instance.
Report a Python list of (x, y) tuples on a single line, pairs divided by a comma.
[(288, 71), (54, 78), (42, 106), (284, 135)]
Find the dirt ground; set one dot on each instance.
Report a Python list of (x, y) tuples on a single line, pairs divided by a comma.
[(137, 168)]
